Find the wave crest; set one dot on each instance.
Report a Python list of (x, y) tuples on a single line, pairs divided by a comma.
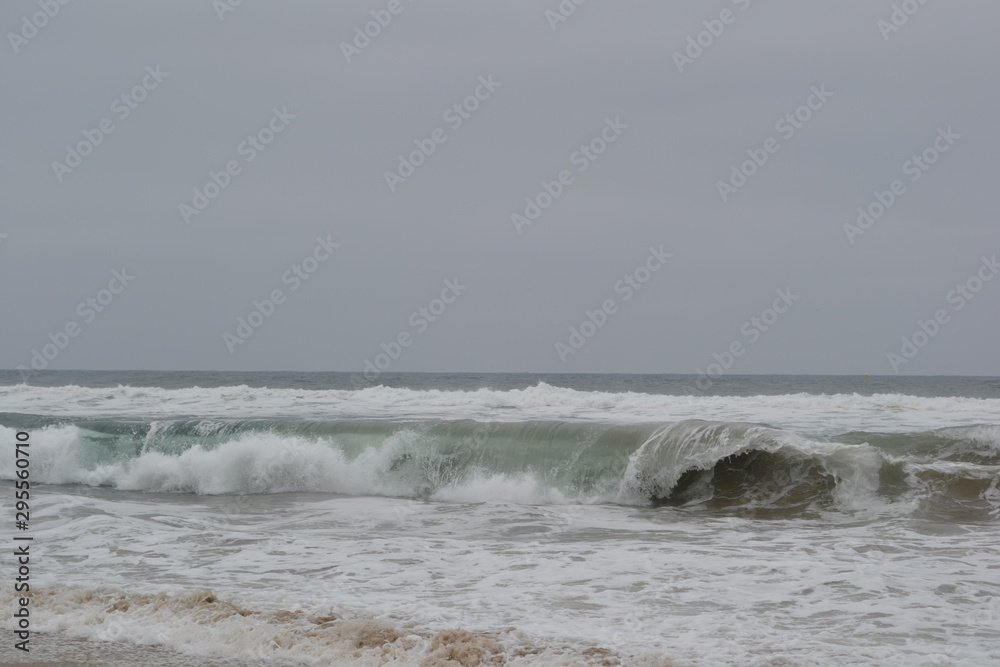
[(692, 463)]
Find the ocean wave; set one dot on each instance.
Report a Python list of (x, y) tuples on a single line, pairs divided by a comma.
[(818, 414), (691, 463)]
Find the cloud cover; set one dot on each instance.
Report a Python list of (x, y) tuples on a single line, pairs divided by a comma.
[(696, 91)]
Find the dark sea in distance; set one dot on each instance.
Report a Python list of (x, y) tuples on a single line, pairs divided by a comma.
[(725, 385)]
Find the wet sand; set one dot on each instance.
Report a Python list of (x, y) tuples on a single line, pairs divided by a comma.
[(49, 650), (449, 648)]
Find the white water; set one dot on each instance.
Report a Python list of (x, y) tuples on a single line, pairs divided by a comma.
[(546, 575), (702, 591), (267, 463), (805, 413)]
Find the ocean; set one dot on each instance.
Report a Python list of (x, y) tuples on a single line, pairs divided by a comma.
[(224, 519)]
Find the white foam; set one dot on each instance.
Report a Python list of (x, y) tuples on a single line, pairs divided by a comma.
[(807, 413), (701, 590), (708, 593), (249, 463), (499, 488), (404, 464)]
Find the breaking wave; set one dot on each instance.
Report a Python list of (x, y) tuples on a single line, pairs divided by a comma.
[(709, 465)]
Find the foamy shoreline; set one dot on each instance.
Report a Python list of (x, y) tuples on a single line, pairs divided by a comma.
[(271, 638), (59, 650)]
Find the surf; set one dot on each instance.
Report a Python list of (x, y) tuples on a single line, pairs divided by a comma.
[(708, 465)]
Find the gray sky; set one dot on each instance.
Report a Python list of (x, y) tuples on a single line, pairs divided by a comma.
[(892, 94)]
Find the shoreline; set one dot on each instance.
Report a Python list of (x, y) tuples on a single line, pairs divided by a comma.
[(198, 619), (59, 650)]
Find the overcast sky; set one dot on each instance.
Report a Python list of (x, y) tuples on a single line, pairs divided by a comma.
[(663, 118)]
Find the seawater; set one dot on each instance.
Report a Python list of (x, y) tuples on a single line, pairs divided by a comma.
[(515, 519)]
